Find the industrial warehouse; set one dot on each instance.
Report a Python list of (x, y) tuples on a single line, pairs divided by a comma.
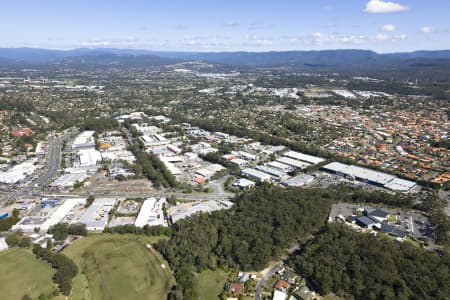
[(376, 178), (97, 215), (279, 170), (151, 213), (46, 213), (19, 172)]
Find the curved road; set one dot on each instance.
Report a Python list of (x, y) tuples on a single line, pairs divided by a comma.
[(272, 270), (262, 282)]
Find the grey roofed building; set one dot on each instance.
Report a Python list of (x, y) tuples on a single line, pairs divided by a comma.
[(276, 174), (280, 166), (365, 222), (391, 230), (377, 213), (293, 162), (398, 233)]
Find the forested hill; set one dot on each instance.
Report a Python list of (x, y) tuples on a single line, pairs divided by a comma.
[(363, 266), (329, 60), (421, 64), (261, 225), (288, 58)]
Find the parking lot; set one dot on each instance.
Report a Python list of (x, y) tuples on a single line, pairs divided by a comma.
[(413, 222)]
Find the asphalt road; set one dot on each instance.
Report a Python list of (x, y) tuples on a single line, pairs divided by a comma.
[(157, 194), (273, 269), (262, 282), (52, 164)]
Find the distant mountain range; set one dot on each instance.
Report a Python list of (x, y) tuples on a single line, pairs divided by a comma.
[(320, 60)]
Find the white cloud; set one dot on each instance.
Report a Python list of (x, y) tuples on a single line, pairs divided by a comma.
[(426, 29), (388, 28), (380, 7), (253, 40), (96, 43), (381, 37), (127, 42), (320, 39), (399, 37)]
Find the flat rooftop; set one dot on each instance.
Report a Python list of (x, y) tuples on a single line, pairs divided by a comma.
[(304, 157), (360, 172), (293, 162), (97, 215)]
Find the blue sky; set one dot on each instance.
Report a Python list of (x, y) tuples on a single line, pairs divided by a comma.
[(228, 25)]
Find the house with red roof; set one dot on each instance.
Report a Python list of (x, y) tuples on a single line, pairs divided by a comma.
[(21, 132), (236, 288)]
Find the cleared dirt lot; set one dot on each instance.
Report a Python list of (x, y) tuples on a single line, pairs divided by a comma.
[(99, 185)]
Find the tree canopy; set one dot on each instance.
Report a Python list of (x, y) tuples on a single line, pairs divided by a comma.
[(365, 266), (261, 225)]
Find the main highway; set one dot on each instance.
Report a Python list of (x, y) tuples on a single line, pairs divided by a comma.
[(53, 162), (45, 176)]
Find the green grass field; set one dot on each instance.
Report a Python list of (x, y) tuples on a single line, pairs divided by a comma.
[(22, 273), (210, 284), (118, 267)]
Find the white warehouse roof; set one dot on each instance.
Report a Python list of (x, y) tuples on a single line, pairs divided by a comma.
[(62, 211), (89, 157), (280, 166), (18, 172), (304, 157), (388, 181), (57, 216), (400, 185), (149, 212), (96, 216), (84, 139), (299, 180), (170, 167), (258, 175), (360, 172), (293, 162)]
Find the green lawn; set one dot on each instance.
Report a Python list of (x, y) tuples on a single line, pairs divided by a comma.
[(22, 273), (118, 267), (210, 284), (412, 242)]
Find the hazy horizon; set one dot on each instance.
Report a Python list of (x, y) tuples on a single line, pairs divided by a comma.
[(223, 51), (210, 26)]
